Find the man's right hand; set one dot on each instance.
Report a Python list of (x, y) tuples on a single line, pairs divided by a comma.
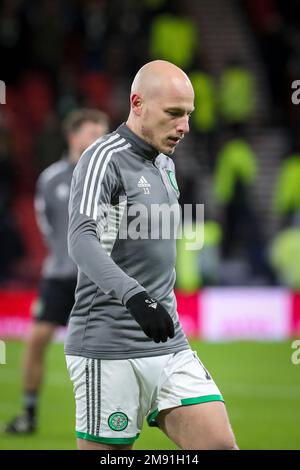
[(152, 317)]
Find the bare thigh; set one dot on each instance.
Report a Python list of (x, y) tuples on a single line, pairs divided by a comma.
[(198, 427), (83, 444)]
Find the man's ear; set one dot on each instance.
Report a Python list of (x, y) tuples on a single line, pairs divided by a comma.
[(136, 103)]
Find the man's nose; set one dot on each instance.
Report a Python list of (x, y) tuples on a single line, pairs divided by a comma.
[(183, 125)]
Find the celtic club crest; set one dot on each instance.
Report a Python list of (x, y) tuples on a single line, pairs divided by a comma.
[(118, 421)]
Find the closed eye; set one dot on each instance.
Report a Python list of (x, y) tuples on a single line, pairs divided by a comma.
[(177, 113), (174, 113)]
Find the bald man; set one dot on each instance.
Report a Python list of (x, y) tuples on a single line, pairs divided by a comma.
[(126, 352)]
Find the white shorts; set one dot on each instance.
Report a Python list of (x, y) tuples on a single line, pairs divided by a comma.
[(113, 397)]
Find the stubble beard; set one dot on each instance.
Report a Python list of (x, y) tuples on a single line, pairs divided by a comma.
[(148, 136)]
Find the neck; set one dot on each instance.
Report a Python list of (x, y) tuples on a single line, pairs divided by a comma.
[(73, 157), (134, 126)]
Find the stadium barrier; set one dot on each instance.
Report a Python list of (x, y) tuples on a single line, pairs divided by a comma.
[(212, 314)]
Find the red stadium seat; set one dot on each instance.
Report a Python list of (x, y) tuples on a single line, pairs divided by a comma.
[(37, 98), (96, 89)]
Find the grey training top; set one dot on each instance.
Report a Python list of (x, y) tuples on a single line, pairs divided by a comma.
[(114, 175), (51, 204)]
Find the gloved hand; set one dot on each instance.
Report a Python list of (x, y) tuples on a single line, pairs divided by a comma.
[(152, 317)]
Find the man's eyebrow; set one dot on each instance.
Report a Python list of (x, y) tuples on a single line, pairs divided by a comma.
[(175, 108)]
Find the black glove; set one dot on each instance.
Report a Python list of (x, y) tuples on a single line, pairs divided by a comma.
[(152, 317)]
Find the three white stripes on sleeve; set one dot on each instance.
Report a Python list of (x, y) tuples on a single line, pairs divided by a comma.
[(94, 176)]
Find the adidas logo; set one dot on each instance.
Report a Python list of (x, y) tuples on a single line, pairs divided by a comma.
[(143, 183), (151, 303)]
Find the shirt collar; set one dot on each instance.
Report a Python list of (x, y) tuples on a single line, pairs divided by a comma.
[(140, 145)]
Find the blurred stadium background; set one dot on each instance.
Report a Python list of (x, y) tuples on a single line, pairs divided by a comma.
[(238, 297)]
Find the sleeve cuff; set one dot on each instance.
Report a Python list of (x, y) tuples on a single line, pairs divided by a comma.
[(132, 292)]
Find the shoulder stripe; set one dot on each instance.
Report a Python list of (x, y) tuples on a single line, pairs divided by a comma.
[(115, 150), (95, 177), (90, 166)]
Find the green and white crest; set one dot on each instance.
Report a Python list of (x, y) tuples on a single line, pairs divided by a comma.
[(118, 421), (172, 179)]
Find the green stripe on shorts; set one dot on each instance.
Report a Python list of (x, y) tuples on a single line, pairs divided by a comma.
[(151, 419), (106, 440), (204, 399)]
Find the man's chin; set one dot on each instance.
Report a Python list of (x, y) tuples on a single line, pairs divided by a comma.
[(167, 150)]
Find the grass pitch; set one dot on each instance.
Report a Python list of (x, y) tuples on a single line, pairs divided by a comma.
[(260, 385)]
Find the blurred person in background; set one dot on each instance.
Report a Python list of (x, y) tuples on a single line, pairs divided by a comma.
[(205, 118), (170, 28), (235, 173), (236, 94), (198, 267), (284, 254), (286, 201), (56, 298), (204, 122)]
